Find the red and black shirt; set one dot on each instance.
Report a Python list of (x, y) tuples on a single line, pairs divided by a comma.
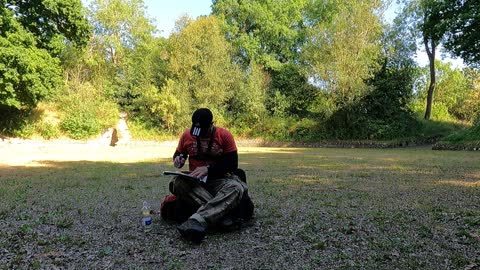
[(217, 151)]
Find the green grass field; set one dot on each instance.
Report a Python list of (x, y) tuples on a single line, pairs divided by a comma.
[(316, 208)]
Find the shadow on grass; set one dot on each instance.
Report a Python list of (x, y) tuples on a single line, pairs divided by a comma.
[(315, 208)]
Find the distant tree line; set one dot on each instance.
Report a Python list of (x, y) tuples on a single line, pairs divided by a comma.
[(282, 70)]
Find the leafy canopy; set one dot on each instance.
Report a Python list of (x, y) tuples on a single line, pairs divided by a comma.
[(460, 21), (33, 34), (27, 73), (52, 22)]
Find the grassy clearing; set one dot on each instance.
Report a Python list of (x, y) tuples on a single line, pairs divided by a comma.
[(315, 209)]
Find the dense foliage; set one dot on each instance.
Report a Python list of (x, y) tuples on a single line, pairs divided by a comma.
[(281, 70), (384, 112), (460, 21), (27, 73), (33, 34)]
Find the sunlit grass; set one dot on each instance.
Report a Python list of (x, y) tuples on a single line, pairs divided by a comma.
[(461, 183)]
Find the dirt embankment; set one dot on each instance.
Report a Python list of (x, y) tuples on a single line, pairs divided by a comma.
[(15, 152)]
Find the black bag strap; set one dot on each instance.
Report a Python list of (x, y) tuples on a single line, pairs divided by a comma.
[(210, 143)]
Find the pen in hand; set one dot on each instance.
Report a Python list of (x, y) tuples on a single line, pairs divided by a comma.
[(179, 161)]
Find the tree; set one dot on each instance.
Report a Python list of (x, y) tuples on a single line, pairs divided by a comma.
[(460, 20), (271, 33), (32, 35), (247, 106), (201, 66), (455, 93), (452, 90), (424, 18), (122, 34), (52, 23), (343, 52), (119, 26), (152, 97), (267, 32), (383, 112), (471, 107)]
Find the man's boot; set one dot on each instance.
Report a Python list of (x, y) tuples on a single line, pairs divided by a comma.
[(192, 230)]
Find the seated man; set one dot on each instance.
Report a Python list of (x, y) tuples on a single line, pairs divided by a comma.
[(212, 155)]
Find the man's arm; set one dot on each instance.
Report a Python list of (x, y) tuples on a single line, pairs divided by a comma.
[(180, 156), (228, 163), (178, 153), (179, 159)]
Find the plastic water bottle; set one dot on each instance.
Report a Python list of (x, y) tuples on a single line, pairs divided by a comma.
[(146, 217)]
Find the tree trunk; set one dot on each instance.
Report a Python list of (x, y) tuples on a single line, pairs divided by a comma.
[(431, 87)]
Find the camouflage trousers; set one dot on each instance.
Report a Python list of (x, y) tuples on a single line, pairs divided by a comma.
[(214, 198)]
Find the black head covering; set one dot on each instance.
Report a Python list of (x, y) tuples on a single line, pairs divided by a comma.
[(202, 119)]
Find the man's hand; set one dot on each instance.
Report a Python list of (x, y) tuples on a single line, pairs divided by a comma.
[(200, 172), (179, 161)]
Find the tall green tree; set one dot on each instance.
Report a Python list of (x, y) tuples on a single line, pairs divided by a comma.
[(32, 35), (151, 98), (423, 18), (247, 106), (201, 67), (53, 23), (454, 93), (119, 25), (471, 108), (343, 52), (384, 111), (460, 20), (271, 33), (452, 90), (267, 32), (122, 31)]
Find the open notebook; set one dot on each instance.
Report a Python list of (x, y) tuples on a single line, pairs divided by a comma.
[(186, 175)]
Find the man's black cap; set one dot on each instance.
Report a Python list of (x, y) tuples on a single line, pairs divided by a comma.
[(201, 120)]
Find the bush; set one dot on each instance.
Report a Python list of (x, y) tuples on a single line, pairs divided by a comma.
[(81, 125), (439, 111), (437, 129), (40, 121), (383, 112), (141, 130), (286, 128), (85, 112), (27, 130), (353, 123), (13, 121), (464, 135), (47, 130)]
